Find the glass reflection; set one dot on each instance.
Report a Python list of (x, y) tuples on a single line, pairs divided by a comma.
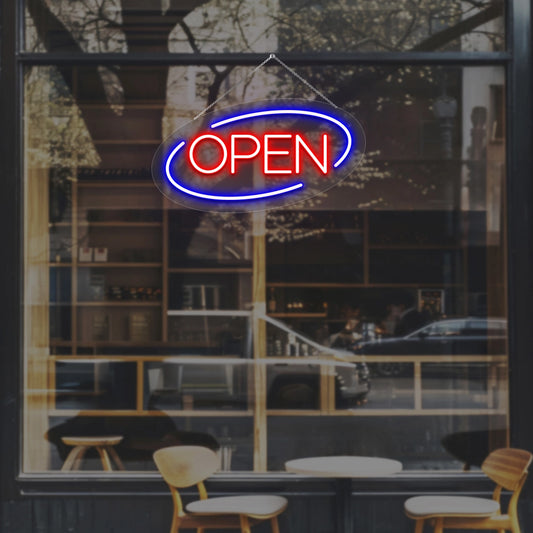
[(215, 26)]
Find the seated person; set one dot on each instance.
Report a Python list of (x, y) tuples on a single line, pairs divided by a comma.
[(409, 317), (352, 330)]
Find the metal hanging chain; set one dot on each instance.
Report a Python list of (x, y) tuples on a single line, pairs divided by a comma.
[(261, 65), (297, 76)]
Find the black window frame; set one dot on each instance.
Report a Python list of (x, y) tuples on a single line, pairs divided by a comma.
[(517, 60)]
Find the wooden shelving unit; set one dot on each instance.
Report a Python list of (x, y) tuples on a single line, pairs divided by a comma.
[(173, 270)]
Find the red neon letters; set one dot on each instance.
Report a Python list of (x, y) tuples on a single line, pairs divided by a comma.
[(282, 153)]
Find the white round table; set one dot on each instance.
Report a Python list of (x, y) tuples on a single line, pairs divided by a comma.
[(344, 468)]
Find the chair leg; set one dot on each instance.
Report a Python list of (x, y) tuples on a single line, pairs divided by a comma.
[(245, 524), (175, 523), (274, 524), (200, 530), (515, 526), (419, 525), (438, 525)]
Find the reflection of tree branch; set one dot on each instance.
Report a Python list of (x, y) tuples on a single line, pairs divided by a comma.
[(48, 25), (441, 38), (219, 76), (276, 20), (193, 44), (237, 21), (411, 25), (190, 37), (214, 88), (433, 42)]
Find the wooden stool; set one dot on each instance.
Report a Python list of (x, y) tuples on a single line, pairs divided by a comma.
[(103, 445)]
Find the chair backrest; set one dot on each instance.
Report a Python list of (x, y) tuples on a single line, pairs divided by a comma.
[(507, 467), (184, 466)]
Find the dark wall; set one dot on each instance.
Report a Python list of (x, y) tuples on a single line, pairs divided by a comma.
[(377, 505), (136, 514)]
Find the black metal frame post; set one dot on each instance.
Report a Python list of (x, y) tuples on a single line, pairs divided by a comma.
[(343, 500), (11, 265), (520, 224)]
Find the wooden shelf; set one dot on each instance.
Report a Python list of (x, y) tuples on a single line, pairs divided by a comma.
[(366, 411), (127, 183), (125, 344), (297, 315), (60, 342), (106, 264), (58, 265), (124, 142), (105, 107), (208, 312), (193, 413), (185, 359), (211, 270), (120, 303), (444, 247), (348, 285), (120, 224)]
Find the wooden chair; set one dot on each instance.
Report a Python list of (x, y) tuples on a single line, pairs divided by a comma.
[(185, 466), (507, 467)]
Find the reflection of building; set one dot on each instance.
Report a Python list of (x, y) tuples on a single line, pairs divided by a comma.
[(428, 211)]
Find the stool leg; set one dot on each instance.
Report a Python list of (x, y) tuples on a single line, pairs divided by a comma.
[(274, 524), (438, 525), (245, 524), (114, 455), (106, 463), (79, 458), (419, 525), (72, 456)]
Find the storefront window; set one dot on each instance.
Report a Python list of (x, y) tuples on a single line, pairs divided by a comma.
[(370, 319), (375, 311)]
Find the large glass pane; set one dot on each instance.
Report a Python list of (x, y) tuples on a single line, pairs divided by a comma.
[(268, 26), (376, 311)]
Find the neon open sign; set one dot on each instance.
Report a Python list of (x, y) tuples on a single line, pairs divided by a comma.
[(258, 156)]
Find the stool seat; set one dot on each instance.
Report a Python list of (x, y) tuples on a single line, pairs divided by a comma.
[(103, 445), (92, 441)]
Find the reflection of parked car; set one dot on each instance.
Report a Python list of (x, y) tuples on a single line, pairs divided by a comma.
[(451, 336), (216, 384), (297, 386), (458, 336)]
